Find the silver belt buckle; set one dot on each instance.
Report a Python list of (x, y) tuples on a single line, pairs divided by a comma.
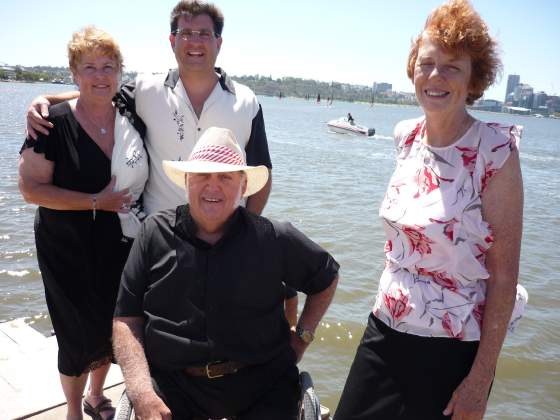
[(208, 374)]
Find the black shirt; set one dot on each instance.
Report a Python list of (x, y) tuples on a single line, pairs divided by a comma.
[(203, 302)]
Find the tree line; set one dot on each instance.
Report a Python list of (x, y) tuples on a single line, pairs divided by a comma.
[(261, 85)]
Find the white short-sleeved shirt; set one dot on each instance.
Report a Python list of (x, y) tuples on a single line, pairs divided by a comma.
[(434, 282), (172, 127)]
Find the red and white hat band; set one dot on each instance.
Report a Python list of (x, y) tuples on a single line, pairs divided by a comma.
[(218, 154)]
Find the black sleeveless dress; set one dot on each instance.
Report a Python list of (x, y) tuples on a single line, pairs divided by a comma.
[(81, 259)]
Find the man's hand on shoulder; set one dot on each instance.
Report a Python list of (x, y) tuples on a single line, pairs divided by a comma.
[(39, 110), (37, 113), (148, 406)]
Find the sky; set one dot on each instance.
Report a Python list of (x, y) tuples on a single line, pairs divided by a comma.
[(352, 41)]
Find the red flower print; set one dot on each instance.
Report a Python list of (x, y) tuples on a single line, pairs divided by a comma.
[(478, 312), (442, 279), (447, 326), (469, 157), (489, 172), (396, 187), (388, 247), (418, 241), (448, 228), (397, 303), (412, 136), (498, 147), (429, 181), (481, 257)]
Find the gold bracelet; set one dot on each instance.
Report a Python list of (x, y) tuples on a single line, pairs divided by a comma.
[(94, 204)]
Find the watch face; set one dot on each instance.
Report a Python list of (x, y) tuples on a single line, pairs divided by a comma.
[(306, 336)]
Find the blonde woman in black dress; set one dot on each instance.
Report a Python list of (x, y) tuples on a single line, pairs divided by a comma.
[(81, 249)]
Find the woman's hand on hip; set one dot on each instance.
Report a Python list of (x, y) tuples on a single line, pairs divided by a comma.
[(469, 400), (110, 200)]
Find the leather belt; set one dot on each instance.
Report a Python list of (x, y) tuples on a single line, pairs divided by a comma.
[(214, 369)]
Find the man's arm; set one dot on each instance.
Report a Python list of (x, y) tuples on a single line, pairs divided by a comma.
[(128, 346), (38, 111), (315, 307), (35, 185), (257, 201), (290, 309), (257, 153)]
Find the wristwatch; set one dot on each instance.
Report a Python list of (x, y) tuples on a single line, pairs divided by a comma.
[(306, 336)]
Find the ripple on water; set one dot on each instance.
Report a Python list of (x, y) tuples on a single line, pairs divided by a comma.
[(330, 186)]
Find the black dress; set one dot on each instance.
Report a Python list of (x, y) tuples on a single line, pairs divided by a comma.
[(81, 259)]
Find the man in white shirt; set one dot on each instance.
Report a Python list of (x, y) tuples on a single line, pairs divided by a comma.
[(179, 106)]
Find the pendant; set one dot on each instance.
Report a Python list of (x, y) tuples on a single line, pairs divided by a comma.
[(103, 131)]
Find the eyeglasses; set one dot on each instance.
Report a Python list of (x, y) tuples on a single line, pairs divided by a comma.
[(190, 35)]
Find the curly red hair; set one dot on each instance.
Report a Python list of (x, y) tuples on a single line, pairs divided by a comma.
[(459, 29)]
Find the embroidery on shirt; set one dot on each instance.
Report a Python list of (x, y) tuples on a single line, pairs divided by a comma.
[(180, 120), (134, 159)]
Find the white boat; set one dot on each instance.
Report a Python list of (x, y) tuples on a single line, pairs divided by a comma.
[(341, 125)]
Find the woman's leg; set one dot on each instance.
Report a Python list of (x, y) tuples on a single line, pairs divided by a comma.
[(95, 395), (97, 380), (73, 388), (371, 390)]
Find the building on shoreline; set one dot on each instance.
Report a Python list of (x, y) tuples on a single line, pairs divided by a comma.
[(8, 73), (513, 81)]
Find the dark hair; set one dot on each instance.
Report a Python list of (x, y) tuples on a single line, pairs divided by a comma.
[(194, 8), (459, 29)]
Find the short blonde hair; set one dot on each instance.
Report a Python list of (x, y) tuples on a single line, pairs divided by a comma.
[(91, 39), (459, 29)]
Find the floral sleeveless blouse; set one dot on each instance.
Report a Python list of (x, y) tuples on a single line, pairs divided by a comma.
[(434, 282)]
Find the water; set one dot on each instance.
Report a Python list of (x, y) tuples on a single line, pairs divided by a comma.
[(330, 186)]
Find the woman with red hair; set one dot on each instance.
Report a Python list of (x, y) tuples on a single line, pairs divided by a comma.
[(452, 215)]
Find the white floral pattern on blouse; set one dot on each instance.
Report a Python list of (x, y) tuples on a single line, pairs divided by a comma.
[(434, 282)]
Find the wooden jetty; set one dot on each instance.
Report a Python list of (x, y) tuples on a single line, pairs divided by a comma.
[(29, 379)]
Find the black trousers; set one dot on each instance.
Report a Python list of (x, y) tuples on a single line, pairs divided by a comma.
[(403, 376), (269, 391)]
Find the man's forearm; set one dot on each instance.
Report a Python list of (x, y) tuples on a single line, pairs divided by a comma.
[(257, 201), (63, 96), (129, 351), (315, 307)]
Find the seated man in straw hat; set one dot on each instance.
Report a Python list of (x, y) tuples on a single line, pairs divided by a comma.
[(199, 328)]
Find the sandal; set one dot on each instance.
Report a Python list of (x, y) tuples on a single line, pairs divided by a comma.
[(95, 412)]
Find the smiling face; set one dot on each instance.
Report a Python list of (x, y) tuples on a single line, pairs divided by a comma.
[(196, 54), (441, 79), (97, 76), (213, 198)]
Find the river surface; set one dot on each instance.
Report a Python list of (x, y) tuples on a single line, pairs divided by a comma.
[(330, 186)]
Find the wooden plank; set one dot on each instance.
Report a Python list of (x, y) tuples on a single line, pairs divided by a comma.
[(57, 413), (29, 378), (8, 347), (26, 337)]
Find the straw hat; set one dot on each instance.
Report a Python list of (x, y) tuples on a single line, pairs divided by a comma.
[(217, 151)]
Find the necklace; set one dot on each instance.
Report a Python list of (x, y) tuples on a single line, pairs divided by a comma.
[(102, 130)]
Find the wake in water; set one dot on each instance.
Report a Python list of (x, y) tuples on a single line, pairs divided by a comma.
[(382, 137)]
